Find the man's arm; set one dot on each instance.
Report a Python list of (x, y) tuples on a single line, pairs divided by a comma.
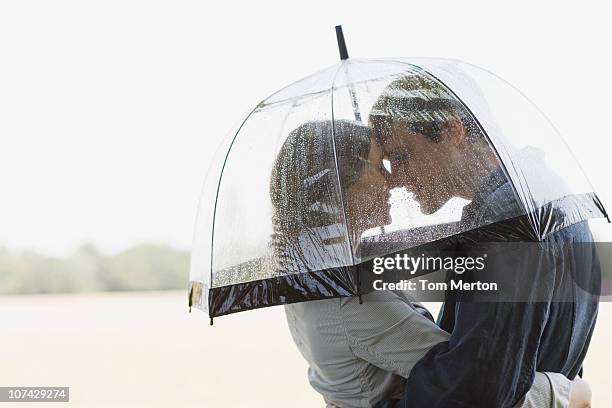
[(489, 360), (391, 333)]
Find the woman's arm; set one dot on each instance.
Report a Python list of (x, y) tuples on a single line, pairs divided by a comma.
[(554, 390), (388, 332), (548, 390)]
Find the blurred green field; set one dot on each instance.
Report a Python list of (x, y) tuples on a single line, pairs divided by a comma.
[(144, 266), (143, 349)]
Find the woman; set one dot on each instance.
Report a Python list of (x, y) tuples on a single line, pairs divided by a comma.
[(358, 354)]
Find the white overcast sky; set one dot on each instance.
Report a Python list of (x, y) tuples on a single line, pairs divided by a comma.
[(110, 110)]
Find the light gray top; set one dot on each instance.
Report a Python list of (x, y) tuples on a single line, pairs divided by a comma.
[(359, 354)]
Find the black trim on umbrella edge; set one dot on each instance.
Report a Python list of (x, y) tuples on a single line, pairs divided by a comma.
[(345, 281), (279, 290)]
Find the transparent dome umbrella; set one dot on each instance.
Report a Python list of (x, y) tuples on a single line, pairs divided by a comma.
[(299, 188)]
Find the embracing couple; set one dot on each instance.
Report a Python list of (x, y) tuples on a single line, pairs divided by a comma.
[(384, 349)]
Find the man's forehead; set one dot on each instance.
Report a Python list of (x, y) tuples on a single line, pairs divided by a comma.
[(394, 140)]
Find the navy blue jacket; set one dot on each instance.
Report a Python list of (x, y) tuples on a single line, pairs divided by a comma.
[(545, 322)]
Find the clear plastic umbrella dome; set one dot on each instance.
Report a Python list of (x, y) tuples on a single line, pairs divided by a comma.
[(280, 218)]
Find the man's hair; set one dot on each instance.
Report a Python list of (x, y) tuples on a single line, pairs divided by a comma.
[(423, 104)]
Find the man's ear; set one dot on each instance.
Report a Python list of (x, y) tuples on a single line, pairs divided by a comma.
[(454, 131)]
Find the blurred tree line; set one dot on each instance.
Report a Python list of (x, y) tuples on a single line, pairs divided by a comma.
[(142, 267)]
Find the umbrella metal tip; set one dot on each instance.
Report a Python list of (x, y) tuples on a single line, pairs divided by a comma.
[(341, 43)]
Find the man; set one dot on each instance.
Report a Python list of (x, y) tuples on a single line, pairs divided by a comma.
[(438, 152), (358, 353)]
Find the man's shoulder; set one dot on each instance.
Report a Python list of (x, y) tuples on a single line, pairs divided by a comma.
[(502, 203)]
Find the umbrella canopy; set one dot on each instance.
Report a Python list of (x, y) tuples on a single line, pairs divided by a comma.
[(305, 181)]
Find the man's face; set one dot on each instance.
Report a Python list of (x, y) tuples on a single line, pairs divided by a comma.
[(422, 166)]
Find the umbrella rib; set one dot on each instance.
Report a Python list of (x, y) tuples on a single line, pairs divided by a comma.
[(232, 144), (484, 132), (212, 238), (336, 164), (352, 95)]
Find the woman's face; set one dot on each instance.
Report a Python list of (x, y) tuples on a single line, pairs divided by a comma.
[(368, 198)]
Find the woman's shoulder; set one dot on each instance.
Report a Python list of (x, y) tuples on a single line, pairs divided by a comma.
[(314, 308), (381, 307), (377, 296)]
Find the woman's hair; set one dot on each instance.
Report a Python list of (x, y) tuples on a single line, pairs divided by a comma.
[(304, 182), (421, 103)]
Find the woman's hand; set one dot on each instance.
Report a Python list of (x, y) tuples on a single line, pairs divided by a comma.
[(580, 394)]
